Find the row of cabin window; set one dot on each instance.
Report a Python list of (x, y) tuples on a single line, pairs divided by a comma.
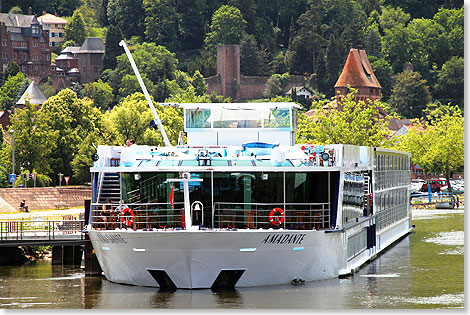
[(392, 162), (391, 206)]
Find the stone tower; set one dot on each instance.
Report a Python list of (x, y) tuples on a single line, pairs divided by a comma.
[(228, 68)]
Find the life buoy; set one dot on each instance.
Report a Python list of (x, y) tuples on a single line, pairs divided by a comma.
[(124, 217), (279, 217)]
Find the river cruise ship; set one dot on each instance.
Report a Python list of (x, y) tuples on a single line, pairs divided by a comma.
[(240, 204)]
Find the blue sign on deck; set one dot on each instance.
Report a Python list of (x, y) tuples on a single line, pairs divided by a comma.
[(12, 178)]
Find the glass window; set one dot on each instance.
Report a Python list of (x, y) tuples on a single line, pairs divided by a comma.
[(277, 118), (227, 117), (198, 118)]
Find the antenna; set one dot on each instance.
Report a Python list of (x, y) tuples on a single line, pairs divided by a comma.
[(146, 93)]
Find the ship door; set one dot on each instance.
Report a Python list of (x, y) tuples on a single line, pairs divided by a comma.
[(196, 213)]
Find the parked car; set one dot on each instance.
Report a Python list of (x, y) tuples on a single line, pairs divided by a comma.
[(436, 184), (456, 189), (416, 184)]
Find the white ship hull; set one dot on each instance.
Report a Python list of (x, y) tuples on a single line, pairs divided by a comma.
[(194, 259)]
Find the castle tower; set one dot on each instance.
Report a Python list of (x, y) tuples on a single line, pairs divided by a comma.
[(358, 74), (228, 67)]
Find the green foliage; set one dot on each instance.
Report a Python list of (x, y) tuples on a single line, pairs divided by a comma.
[(410, 95), (11, 91), (128, 16), (276, 84), (82, 161), (131, 118), (348, 122), (199, 84), (188, 96), (112, 48), (392, 17), (162, 23), (100, 92), (156, 62), (227, 27), (47, 89), (383, 73), (73, 119), (16, 10), (437, 144), (34, 139), (12, 69), (75, 29), (450, 84)]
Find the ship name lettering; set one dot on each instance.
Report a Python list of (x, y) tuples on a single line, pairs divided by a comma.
[(111, 238), (284, 239)]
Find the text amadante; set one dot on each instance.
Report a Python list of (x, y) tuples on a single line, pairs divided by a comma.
[(284, 238)]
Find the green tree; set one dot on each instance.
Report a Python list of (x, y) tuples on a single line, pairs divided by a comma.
[(410, 95), (73, 119), (131, 118), (383, 71), (276, 84), (249, 64), (82, 161), (112, 48), (392, 17), (227, 27), (348, 122), (10, 90), (156, 62), (437, 145), (12, 69), (34, 139), (199, 84), (162, 23), (100, 92), (75, 29), (128, 16), (450, 85)]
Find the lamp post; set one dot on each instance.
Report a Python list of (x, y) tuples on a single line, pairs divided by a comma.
[(13, 154)]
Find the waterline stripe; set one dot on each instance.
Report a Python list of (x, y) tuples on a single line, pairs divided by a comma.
[(105, 248), (138, 249), (247, 249), (298, 248)]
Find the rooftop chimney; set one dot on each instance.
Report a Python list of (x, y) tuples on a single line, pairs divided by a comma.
[(30, 11)]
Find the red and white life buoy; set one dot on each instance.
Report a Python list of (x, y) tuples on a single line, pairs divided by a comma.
[(276, 219), (127, 219)]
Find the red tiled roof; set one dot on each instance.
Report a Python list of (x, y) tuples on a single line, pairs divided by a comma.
[(357, 71)]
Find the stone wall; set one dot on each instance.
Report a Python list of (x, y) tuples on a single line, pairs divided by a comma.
[(43, 197)]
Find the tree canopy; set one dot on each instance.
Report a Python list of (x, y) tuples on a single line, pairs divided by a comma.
[(347, 122), (437, 143), (75, 29)]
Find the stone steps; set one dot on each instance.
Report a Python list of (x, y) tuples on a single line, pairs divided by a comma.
[(45, 197)]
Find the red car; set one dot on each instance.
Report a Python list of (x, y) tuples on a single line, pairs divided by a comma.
[(436, 184)]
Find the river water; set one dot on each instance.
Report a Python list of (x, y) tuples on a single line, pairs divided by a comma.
[(425, 270)]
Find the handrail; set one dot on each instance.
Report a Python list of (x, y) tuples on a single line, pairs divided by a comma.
[(40, 229)]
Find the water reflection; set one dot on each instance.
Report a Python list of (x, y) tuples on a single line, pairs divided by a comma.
[(424, 270)]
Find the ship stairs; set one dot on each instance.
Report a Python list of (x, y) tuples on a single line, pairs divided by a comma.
[(110, 188)]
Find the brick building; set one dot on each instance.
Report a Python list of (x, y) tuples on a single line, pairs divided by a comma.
[(358, 74), (24, 41), (229, 82)]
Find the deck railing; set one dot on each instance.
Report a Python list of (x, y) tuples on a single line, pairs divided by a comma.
[(298, 216)]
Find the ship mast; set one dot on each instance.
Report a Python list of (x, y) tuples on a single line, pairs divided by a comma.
[(146, 93)]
